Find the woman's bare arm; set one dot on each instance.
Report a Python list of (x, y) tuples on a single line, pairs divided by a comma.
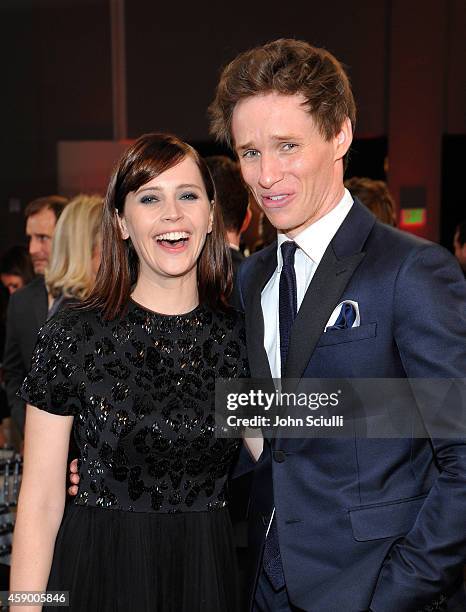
[(41, 500)]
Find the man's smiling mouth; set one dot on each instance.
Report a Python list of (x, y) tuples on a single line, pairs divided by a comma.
[(276, 200)]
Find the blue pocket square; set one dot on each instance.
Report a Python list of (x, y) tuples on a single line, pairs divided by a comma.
[(345, 316)]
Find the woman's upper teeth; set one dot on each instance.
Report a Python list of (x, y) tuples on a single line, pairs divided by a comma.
[(278, 197), (172, 236)]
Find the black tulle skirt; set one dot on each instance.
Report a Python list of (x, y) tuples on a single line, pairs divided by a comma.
[(114, 561)]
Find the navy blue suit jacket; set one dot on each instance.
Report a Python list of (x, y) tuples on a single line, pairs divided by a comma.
[(377, 523)]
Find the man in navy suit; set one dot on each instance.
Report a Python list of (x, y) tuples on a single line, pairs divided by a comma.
[(341, 525)]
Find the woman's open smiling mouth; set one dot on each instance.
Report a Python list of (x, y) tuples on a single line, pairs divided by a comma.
[(174, 242)]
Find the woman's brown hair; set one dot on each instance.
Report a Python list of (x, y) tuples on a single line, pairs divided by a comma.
[(147, 158)]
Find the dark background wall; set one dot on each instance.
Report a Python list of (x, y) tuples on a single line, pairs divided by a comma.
[(57, 77), (174, 57), (56, 85)]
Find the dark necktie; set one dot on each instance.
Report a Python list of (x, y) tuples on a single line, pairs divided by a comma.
[(287, 309), (288, 302)]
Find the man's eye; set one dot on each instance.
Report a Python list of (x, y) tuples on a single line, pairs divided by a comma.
[(148, 199), (289, 146), (43, 238), (250, 154), (189, 195)]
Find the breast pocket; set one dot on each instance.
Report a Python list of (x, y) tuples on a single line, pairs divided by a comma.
[(338, 336)]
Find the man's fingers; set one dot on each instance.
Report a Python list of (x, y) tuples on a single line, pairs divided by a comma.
[(74, 478), (74, 466), (73, 490)]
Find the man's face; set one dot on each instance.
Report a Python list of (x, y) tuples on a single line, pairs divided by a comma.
[(295, 174), (460, 251), (39, 229)]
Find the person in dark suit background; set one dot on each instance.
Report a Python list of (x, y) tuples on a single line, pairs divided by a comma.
[(375, 195), (335, 524), (233, 198), (459, 245), (28, 307), (16, 271)]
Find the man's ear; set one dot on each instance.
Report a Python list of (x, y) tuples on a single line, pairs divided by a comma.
[(122, 225), (343, 139)]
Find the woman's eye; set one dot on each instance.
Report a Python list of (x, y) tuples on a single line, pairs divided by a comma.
[(189, 196), (148, 199)]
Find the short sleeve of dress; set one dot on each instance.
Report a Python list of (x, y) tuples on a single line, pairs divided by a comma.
[(53, 381)]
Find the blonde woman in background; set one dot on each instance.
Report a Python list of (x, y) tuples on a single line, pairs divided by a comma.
[(76, 251)]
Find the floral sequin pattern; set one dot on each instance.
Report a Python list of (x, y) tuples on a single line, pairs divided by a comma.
[(142, 389), (51, 384)]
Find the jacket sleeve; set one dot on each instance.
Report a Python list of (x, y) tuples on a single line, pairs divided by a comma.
[(13, 365), (430, 332)]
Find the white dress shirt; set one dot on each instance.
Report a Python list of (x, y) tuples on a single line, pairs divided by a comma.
[(312, 242)]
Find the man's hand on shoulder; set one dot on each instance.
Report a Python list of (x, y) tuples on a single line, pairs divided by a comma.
[(74, 478)]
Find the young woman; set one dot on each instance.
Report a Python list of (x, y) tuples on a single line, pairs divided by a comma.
[(132, 373)]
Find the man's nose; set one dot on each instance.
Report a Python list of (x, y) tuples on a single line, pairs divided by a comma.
[(271, 171), (34, 246)]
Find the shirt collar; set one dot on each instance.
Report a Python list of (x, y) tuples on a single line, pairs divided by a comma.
[(314, 240)]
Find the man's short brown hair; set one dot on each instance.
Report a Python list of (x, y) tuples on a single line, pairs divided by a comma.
[(289, 67), (55, 203)]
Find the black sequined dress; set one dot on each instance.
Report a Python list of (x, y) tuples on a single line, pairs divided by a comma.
[(148, 530)]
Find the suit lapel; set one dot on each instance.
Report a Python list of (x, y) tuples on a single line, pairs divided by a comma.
[(258, 361), (322, 296), (340, 260)]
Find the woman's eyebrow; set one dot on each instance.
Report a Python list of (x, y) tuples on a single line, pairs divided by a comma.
[(153, 188), (159, 188), (188, 186)]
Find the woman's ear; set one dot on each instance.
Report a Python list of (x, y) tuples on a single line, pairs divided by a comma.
[(122, 225), (211, 218)]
